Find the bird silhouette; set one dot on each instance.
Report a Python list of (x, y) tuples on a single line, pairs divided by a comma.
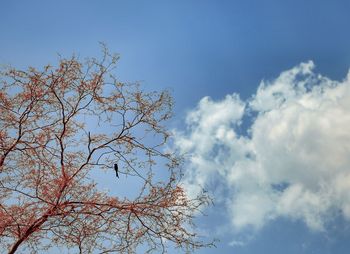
[(116, 170)]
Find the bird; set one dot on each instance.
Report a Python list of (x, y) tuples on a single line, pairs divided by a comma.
[(116, 170)]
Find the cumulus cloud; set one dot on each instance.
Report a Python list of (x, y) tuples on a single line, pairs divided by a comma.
[(293, 162)]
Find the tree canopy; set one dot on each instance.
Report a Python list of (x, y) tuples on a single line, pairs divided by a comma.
[(60, 123)]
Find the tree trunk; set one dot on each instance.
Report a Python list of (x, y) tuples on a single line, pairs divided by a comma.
[(37, 224)]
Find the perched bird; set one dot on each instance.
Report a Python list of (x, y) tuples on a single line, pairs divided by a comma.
[(116, 170)]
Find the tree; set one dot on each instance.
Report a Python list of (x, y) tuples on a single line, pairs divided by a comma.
[(60, 123)]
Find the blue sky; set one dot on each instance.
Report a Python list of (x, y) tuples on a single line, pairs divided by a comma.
[(215, 49)]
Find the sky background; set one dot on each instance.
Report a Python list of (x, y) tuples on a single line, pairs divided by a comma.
[(224, 49)]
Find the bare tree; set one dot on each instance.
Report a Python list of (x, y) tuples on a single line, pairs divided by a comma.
[(56, 126)]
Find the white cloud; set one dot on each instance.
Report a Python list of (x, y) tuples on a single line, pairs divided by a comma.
[(295, 162), (236, 243)]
